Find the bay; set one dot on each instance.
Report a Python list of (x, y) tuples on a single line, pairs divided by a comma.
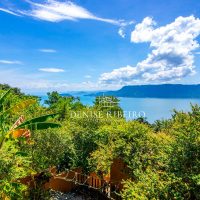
[(152, 108)]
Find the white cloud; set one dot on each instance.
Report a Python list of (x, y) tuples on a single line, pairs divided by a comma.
[(48, 50), (9, 12), (10, 62), (119, 76), (121, 32), (123, 26), (172, 55), (143, 31), (56, 11), (88, 76), (52, 70), (39, 83)]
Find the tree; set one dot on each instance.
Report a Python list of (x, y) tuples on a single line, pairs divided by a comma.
[(109, 105), (53, 98), (15, 90)]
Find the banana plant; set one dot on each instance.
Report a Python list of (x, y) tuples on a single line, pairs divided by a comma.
[(39, 123)]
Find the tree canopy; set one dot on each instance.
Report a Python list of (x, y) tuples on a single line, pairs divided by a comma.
[(163, 158)]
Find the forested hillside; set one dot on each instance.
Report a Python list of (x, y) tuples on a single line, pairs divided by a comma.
[(163, 158), (157, 91)]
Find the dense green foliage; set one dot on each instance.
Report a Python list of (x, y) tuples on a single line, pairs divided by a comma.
[(14, 163), (163, 158), (5, 87)]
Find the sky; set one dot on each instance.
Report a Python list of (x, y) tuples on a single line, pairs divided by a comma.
[(90, 45)]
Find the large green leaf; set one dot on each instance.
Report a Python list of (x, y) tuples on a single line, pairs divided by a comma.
[(19, 107), (38, 126), (22, 105), (36, 120)]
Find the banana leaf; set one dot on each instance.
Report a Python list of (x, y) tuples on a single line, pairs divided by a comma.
[(38, 126), (22, 105), (37, 120), (18, 107)]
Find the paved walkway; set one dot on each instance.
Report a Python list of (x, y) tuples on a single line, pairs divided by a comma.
[(69, 196)]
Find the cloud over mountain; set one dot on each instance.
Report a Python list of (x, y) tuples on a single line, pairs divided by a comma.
[(171, 57)]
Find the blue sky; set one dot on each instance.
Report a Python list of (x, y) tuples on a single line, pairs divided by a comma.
[(98, 45)]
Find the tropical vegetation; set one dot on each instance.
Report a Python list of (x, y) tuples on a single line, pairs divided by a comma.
[(163, 158)]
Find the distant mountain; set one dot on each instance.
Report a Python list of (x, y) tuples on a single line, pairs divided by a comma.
[(156, 91), (74, 93), (66, 95), (80, 93)]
